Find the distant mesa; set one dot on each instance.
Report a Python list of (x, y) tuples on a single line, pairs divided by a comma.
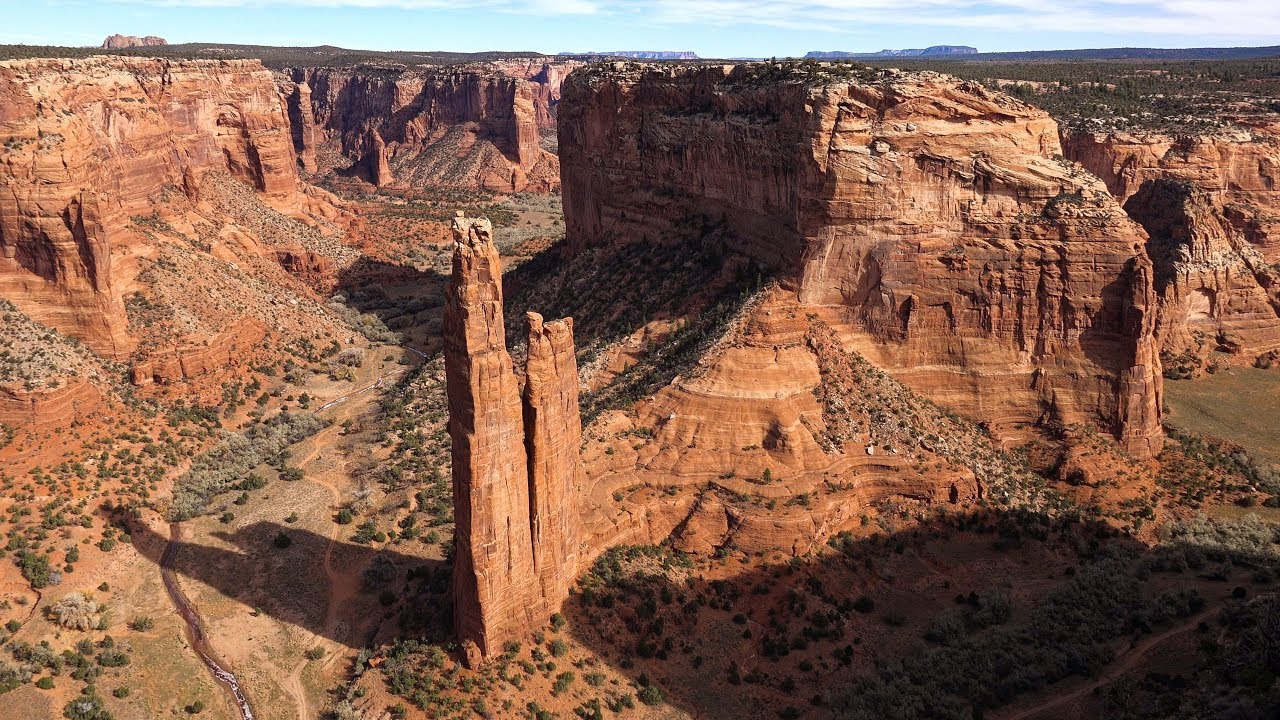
[(932, 51), (640, 54), (116, 42)]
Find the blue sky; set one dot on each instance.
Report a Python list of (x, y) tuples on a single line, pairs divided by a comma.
[(713, 28)]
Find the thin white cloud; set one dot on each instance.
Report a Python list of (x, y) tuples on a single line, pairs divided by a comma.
[(1221, 18), (546, 7), (1245, 18)]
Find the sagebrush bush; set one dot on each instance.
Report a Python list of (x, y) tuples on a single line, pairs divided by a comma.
[(225, 467), (75, 611)]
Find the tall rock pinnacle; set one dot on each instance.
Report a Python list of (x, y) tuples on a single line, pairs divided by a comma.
[(553, 438), (513, 468)]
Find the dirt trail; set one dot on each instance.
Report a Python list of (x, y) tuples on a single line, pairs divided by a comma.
[(341, 585), (1127, 662)]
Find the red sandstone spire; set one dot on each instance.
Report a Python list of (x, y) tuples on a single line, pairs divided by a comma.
[(515, 510)]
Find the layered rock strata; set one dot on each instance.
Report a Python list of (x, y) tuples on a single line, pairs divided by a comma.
[(931, 218), (87, 145), (515, 462), (474, 126), (1238, 169), (1217, 290), (302, 123), (118, 41), (1211, 205), (76, 402)]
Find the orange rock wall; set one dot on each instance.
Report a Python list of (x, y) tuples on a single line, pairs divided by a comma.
[(1211, 207), (86, 143), (1216, 289), (438, 120), (76, 401), (1239, 169), (553, 439), (930, 212), (227, 349)]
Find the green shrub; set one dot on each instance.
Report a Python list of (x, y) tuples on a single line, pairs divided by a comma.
[(650, 695)]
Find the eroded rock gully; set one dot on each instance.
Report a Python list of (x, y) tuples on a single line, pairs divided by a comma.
[(925, 218), (1211, 206), (472, 126)]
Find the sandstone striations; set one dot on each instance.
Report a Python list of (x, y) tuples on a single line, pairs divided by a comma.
[(91, 144), (926, 218), (1217, 290), (514, 464), (302, 122), (471, 126), (1238, 169), (1211, 206)]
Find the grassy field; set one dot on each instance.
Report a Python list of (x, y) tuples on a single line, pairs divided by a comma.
[(1241, 405)]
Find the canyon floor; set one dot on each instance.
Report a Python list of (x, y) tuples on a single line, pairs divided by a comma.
[(651, 632)]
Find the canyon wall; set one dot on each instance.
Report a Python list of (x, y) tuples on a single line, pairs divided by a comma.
[(515, 461), (1211, 205), (88, 144), (472, 126), (927, 217)]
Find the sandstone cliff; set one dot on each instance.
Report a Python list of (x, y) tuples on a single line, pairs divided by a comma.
[(553, 441), (926, 217), (1239, 169), (90, 144), (473, 126), (1212, 208), (514, 464), (117, 41)]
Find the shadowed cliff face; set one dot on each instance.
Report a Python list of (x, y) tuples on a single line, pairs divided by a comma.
[(1209, 204), (927, 217), (1239, 169), (1217, 291)]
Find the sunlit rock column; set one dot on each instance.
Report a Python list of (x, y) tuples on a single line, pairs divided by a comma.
[(493, 558), (553, 439)]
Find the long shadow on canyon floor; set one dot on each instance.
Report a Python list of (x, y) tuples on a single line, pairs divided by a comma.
[(966, 615), (291, 584), (407, 300)]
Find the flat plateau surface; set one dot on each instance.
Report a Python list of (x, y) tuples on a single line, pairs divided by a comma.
[(1241, 405)]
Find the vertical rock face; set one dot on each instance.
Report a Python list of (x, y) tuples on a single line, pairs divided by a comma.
[(1217, 290), (1239, 169), (302, 122), (553, 439), (467, 126), (514, 466), (87, 144), (118, 41), (1211, 206), (545, 81), (493, 555), (964, 258)]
